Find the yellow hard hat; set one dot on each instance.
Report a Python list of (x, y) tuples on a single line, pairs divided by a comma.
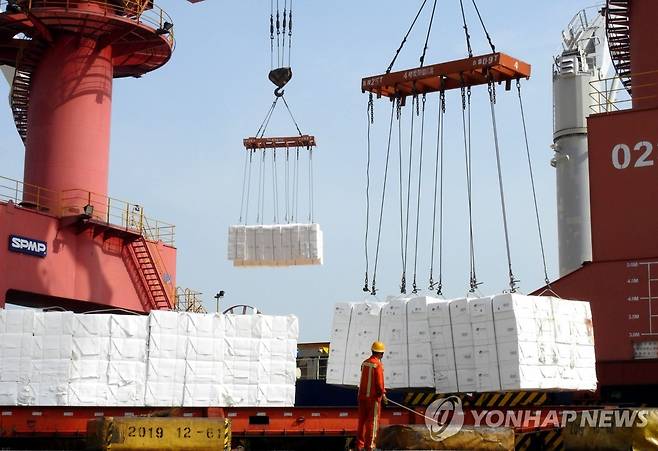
[(378, 346)]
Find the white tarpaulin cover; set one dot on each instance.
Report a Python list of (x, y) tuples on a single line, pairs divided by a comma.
[(506, 342), (164, 359), (275, 245)]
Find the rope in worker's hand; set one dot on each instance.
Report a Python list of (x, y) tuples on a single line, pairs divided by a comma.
[(433, 420)]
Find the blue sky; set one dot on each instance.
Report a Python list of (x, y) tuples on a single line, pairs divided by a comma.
[(177, 145)]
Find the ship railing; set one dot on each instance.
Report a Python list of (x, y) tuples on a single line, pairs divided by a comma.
[(189, 301), (139, 11), (609, 94), (27, 195), (119, 213), (108, 210)]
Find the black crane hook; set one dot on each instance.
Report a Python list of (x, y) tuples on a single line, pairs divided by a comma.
[(280, 77)]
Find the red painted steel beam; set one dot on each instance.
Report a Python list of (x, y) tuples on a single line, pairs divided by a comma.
[(245, 422), (319, 421), (307, 141), (478, 70)]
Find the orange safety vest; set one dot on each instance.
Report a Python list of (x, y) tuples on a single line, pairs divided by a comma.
[(371, 387)]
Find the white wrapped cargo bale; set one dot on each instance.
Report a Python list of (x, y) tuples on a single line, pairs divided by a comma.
[(421, 368), (364, 329), (484, 340), (338, 342), (19, 321), (53, 323), (393, 332), (544, 343), (102, 360), (275, 245)]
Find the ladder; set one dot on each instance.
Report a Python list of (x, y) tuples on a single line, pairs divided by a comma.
[(150, 276), (618, 29), (26, 62)]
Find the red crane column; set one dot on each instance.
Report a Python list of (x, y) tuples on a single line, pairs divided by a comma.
[(62, 93), (68, 120)]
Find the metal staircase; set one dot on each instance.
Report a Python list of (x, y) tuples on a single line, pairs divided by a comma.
[(618, 29), (150, 276), (26, 62)]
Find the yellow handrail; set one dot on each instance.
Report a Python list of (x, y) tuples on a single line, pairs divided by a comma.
[(126, 215), (609, 94), (135, 10)]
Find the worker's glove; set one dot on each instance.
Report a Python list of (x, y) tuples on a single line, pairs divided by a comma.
[(385, 400)]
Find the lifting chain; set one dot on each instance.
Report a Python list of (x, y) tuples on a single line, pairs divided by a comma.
[(370, 113), (513, 282)]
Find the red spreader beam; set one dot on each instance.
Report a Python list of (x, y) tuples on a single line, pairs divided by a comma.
[(307, 141), (478, 70)]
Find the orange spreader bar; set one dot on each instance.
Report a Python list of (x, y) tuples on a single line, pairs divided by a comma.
[(307, 141), (478, 70)]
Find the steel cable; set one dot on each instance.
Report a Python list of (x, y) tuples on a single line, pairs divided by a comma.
[(251, 156), (468, 36), (420, 178), (291, 115), (403, 282), (244, 184), (370, 118), (427, 38), (484, 27), (381, 211), (492, 101), (438, 181), (406, 36), (260, 185), (532, 183), (275, 187), (466, 125), (310, 185)]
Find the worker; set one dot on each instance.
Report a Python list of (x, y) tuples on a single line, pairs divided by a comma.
[(371, 395)]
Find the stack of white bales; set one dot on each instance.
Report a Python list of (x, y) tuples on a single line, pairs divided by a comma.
[(128, 356), (421, 368), (575, 344), (167, 348), (393, 332), (204, 359), (65, 359), (487, 374), (51, 358), (462, 337), (364, 328), (89, 384), (259, 358), (340, 327), (16, 354), (443, 350), (277, 340), (506, 342), (275, 245), (528, 348)]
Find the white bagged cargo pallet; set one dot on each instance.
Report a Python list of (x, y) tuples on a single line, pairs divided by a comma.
[(364, 328), (507, 342), (541, 350), (462, 337), (275, 245), (443, 350), (16, 355), (421, 368), (51, 359), (338, 343), (164, 359)]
